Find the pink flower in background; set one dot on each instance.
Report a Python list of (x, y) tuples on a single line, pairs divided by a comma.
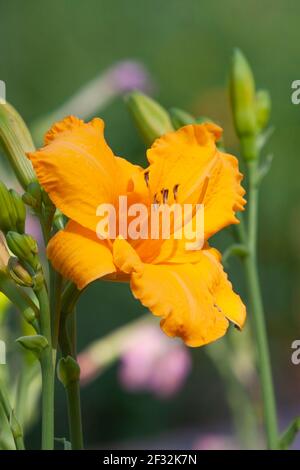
[(149, 360), (129, 75), (215, 442), (33, 228), (153, 362)]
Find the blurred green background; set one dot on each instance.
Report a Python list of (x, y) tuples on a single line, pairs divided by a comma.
[(49, 49)]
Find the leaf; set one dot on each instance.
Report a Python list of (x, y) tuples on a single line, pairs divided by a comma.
[(263, 138), (35, 343), (289, 435), (264, 168), (234, 250)]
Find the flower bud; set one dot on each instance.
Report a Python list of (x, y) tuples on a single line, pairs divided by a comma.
[(151, 119), (242, 94), (36, 344), (263, 108), (33, 196), (180, 118), (19, 209), (7, 210), (12, 210), (25, 248), (18, 273), (16, 141), (4, 254), (68, 370)]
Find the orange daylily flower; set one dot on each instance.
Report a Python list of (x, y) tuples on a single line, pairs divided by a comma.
[(187, 289)]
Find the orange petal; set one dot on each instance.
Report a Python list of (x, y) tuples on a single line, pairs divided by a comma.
[(227, 300), (188, 165), (79, 255), (224, 195), (180, 162), (177, 249), (77, 169), (125, 257), (194, 300)]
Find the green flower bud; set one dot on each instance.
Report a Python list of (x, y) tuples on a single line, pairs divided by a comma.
[(151, 119), (263, 108), (33, 196), (242, 94), (68, 370), (18, 273), (181, 118), (8, 215), (16, 141), (25, 248), (19, 209), (36, 344), (4, 254), (12, 210)]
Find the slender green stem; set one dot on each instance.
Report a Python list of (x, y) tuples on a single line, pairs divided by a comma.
[(264, 363), (67, 344), (67, 341), (47, 372), (74, 414), (56, 282), (18, 297)]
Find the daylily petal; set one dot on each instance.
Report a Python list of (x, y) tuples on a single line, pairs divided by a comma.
[(190, 298), (224, 195), (131, 182), (176, 249), (186, 167), (180, 163), (227, 300), (79, 255), (77, 169)]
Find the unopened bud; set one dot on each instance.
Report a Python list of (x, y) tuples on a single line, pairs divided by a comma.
[(263, 108), (33, 196), (180, 118), (16, 140), (242, 94), (18, 273), (36, 344), (4, 254), (25, 248), (12, 210), (19, 209), (150, 118), (68, 370)]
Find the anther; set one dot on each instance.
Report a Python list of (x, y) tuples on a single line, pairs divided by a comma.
[(165, 195), (175, 191), (146, 177)]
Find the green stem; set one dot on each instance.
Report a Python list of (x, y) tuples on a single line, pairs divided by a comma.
[(18, 297), (56, 282), (68, 347), (241, 408), (74, 414), (264, 363), (46, 361)]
